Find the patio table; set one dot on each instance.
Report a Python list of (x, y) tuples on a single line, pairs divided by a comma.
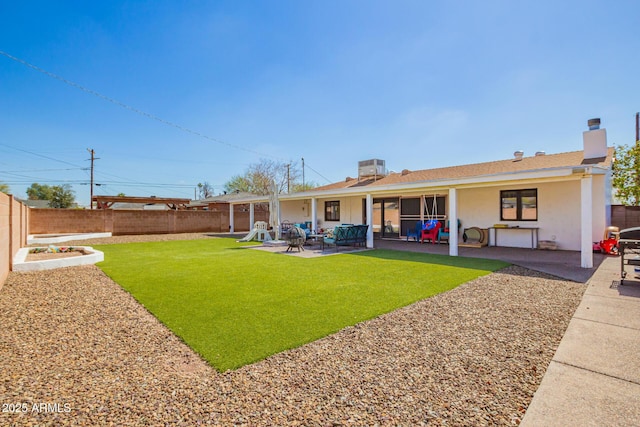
[(533, 230)]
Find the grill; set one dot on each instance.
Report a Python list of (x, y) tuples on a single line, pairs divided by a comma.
[(629, 249)]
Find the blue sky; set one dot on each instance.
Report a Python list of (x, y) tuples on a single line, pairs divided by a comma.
[(420, 84)]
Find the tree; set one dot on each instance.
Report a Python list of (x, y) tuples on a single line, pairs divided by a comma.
[(298, 187), (62, 196), (59, 196), (626, 174), (205, 190), (259, 176), (4, 188), (39, 192)]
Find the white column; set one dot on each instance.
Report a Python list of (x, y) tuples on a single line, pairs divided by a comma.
[(231, 225), (314, 215), (369, 208), (586, 222), (252, 216), (453, 222)]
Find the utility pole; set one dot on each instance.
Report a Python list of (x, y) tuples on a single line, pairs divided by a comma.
[(289, 178), (93, 158), (303, 174), (637, 127)]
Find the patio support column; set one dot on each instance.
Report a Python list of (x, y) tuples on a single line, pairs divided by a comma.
[(252, 215), (231, 225), (586, 222), (453, 222), (314, 215), (369, 214)]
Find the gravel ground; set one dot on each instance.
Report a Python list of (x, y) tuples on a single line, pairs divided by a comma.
[(73, 339)]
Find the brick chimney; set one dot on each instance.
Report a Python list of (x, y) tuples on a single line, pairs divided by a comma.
[(595, 140)]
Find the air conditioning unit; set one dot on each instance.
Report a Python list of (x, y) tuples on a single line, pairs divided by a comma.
[(373, 167)]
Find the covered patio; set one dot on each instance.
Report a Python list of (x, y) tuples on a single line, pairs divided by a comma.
[(564, 264)]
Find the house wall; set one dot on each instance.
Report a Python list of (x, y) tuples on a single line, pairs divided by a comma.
[(294, 211), (558, 212)]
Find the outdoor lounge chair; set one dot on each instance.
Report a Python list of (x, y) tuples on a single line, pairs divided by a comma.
[(443, 233), (431, 234), (415, 232)]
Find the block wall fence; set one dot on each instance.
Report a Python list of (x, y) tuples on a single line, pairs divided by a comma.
[(121, 222), (625, 216), (14, 229)]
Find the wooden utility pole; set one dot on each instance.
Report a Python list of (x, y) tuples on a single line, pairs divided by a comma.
[(303, 174), (93, 158), (637, 127), (289, 178)]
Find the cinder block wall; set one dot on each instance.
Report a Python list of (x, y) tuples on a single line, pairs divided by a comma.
[(121, 222), (13, 232), (5, 237)]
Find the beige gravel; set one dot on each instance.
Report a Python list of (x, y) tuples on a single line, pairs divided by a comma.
[(73, 339)]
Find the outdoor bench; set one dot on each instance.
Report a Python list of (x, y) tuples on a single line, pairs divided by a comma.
[(347, 235)]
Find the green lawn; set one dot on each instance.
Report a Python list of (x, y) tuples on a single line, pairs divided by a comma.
[(236, 306)]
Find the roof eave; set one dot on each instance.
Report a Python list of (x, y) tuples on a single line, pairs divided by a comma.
[(573, 172)]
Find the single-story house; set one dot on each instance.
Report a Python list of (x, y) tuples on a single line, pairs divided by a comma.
[(564, 198)]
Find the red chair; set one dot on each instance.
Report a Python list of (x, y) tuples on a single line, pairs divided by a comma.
[(430, 234)]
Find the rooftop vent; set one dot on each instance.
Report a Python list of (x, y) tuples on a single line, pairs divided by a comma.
[(405, 172), (540, 153), (518, 155), (371, 168)]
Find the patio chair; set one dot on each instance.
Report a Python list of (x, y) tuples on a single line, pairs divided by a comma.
[(443, 233), (415, 232), (431, 234)]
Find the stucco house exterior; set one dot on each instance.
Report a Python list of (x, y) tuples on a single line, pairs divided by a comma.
[(564, 198)]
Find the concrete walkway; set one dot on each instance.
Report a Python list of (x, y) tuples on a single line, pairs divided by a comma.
[(594, 377)]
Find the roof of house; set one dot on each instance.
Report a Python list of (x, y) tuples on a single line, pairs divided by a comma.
[(532, 163)]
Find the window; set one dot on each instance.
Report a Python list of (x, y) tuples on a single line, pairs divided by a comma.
[(519, 205), (332, 210)]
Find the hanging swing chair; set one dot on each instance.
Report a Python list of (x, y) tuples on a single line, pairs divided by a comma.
[(431, 222)]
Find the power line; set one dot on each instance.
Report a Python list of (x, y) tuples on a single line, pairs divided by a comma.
[(40, 155), (130, 108), (318, 173), (43, 170)]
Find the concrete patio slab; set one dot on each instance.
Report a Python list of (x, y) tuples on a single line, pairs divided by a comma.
[(570, 396), (609, 310), (607, 349)]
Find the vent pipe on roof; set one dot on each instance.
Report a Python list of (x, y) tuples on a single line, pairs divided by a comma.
[(518, 155), (540, 153)]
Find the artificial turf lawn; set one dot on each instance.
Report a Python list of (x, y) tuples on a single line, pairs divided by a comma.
[(236, 306)]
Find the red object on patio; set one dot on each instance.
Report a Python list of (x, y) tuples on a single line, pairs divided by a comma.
[(430, 234)]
